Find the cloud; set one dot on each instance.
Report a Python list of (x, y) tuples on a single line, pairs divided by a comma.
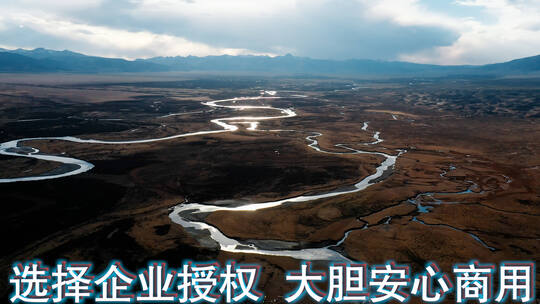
[(447, 32), (105, 41), (57, 5), (514, 33), (316, 28), (3, 27)]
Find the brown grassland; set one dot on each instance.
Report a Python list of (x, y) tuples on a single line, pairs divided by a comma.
[(459, 135)]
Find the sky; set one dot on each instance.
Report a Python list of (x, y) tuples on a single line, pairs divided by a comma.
[(425, 31)]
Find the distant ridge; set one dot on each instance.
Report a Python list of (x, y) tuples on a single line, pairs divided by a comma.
[(43, 60), (527, 64)]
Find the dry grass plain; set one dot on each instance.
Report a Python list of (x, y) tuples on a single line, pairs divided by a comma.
[(457, 137)]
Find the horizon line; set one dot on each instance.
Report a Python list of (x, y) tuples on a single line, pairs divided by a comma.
[(260, 55)]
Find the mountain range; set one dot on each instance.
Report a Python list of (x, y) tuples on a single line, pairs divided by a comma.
[(50, 61)]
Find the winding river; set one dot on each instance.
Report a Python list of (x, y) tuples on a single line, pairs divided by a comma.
[(183, 214), (190, 215), (76, 166)]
